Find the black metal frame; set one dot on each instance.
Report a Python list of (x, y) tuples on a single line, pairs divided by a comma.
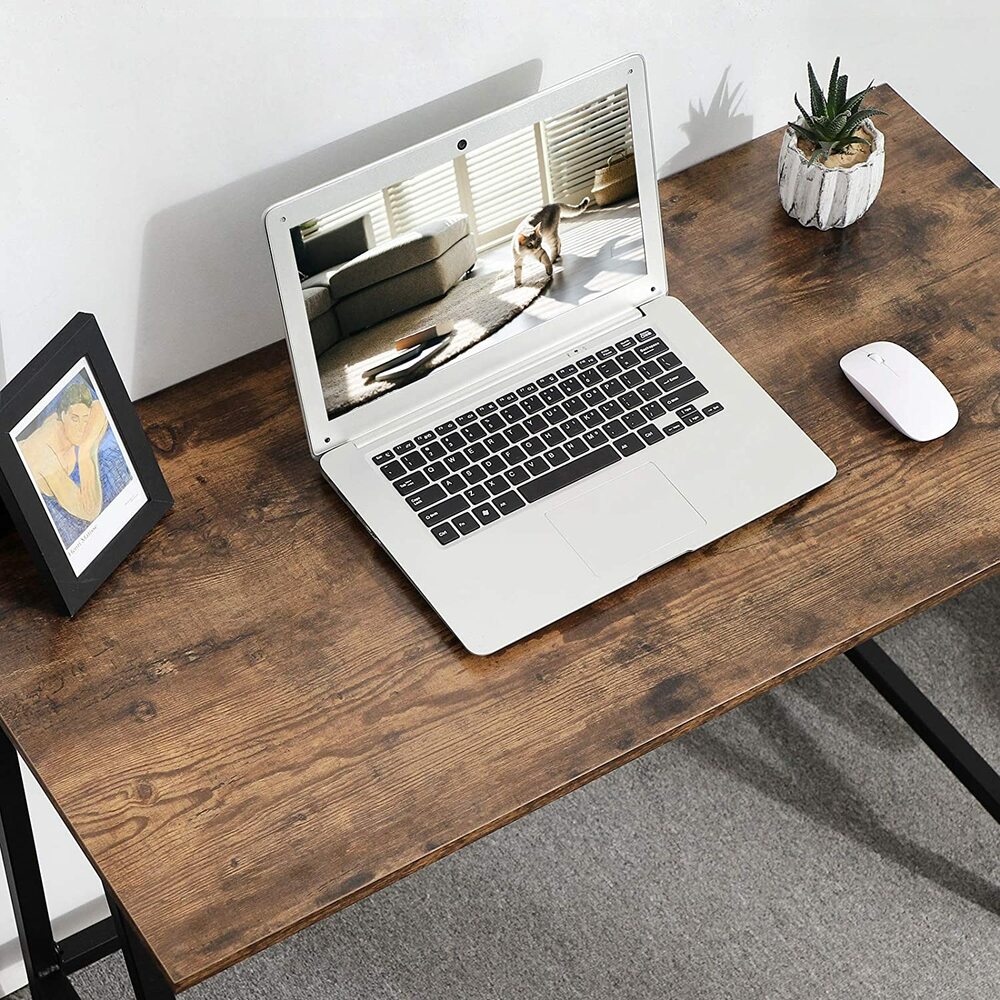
[(50, 962)]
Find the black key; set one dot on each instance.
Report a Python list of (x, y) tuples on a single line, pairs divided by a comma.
[(433, 450), (575, 447), (551, 395), (605, 352), (473, 432), (590, 377), (673, 428), (445, 533), (537, 466), (595, 438), (572, 427), (393, 470), (494, 464), (516, 476), (409, 484), (645, 335), (474, 474), (610, 409), (669, 361), (477, 494), (414, 460), (592, 418), (446, 428), (693, 390), (649, 391), (508, 502), (486, 513), (493, 422), (453, 441), (652, 410), (516, 433), (527, 390), (574, 406), (496, 442), (650, 434), (536, 424), (533, 404), (444, 511), (553, 436), (633, 420), (554, 414), (512, 414), (571, 472), (590, 359), (650, 349), (567, 371), (382, 457), (556, 456), (546, 380), (476, 452), (631, 379), (628, 359), (693, 418), (402, 449), (675, 378), (612, 387), (426, 497), (626, 343), (712, 409), (506, 399), (486, 408), (571, 386), (465, 418), (685, 410), (534, 446), (630, 400), (436, 470), (629, 444), (466, 523), (497, 484), (514, 456), (614, 428), (593, 396), (650, 369), (454, 484), (456, 461), (609, 368)]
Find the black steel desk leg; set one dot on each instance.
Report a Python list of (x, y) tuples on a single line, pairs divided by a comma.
[(46, 980), (920, 714), (148, 982)]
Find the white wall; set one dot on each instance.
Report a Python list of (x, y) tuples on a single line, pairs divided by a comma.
[(138, 149)]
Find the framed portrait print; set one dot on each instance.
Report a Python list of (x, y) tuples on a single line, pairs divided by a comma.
[(77, 473)]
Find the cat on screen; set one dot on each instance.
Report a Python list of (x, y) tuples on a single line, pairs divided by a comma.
[(540, 228)]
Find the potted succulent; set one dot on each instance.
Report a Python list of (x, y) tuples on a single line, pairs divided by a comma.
[(831, 160)]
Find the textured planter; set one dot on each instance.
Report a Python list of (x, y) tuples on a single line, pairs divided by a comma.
[(829, 197)]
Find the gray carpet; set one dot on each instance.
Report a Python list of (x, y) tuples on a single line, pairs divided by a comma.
[(804, 846)]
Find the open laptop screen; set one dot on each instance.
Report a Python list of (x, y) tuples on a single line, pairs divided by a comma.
[(484, 246)]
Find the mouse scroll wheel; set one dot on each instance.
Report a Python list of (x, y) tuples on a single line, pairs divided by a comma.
[(877, 358)]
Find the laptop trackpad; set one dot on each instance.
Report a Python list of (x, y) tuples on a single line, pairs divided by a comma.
[(617, 527)]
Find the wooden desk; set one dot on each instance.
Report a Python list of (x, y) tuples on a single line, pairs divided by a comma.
[(257, 721)]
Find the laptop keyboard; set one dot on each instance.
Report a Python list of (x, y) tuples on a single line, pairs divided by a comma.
[(472, 471)]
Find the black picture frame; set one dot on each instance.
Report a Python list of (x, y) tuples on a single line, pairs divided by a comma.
[(79, 342)]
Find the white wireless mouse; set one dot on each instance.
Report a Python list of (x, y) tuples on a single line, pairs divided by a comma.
[(902, 388)]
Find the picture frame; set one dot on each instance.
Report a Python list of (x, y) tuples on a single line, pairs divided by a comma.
[(78, 476)]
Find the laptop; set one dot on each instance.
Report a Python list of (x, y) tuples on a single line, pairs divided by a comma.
[(494, 377)]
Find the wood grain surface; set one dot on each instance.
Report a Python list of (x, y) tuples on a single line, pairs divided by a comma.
[(258, 721)]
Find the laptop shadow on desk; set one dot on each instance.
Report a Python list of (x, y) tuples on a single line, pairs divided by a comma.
[(207, 291)]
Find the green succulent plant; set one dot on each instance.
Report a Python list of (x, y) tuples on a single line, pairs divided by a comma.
[(831, 124)]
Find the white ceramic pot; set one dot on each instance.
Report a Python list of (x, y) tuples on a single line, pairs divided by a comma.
[(829, 197)]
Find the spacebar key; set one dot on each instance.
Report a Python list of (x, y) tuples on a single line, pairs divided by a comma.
[(570, 473)]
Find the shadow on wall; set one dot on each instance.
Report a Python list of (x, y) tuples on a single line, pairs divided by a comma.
[(722, 126), (207, 291)]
